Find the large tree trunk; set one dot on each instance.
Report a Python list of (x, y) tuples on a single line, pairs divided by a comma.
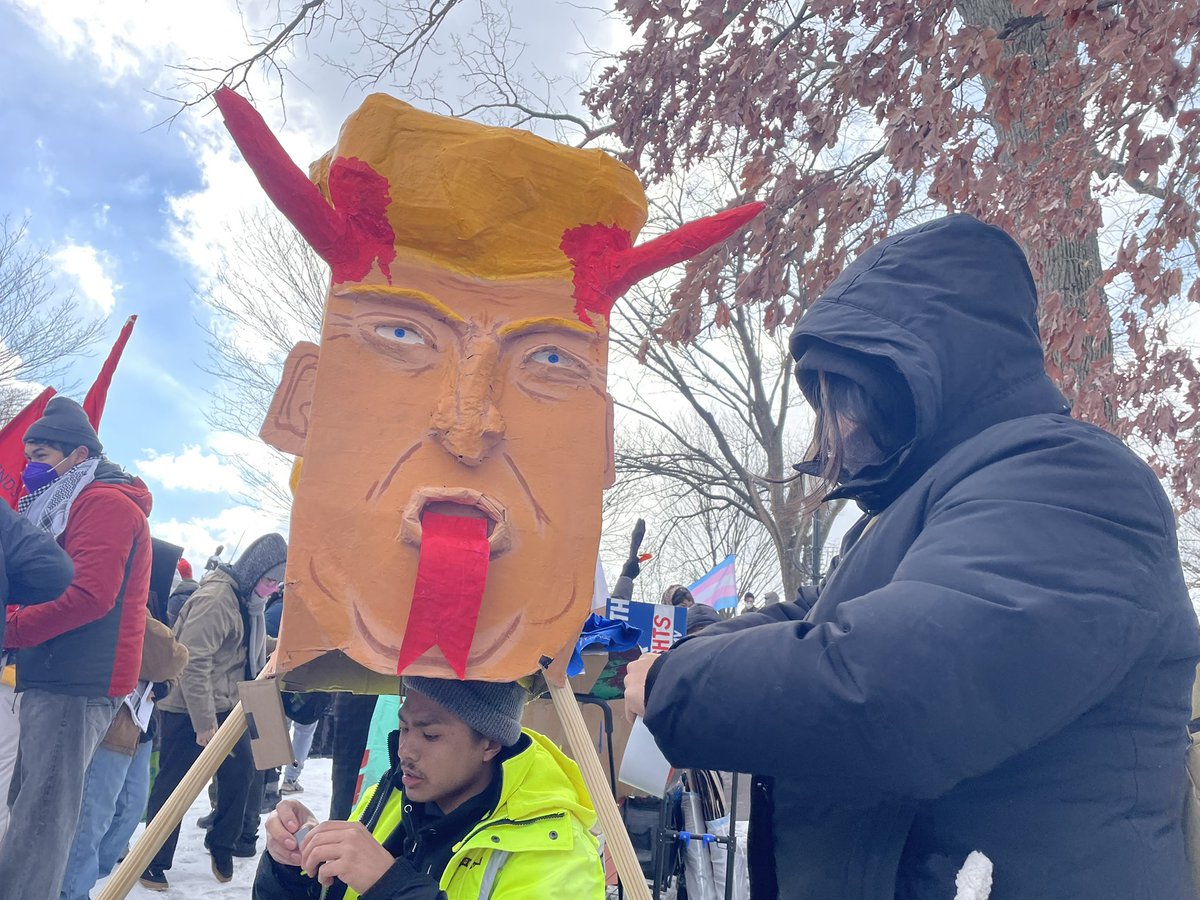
[(803, 537), (792, 552), (1070, 267)]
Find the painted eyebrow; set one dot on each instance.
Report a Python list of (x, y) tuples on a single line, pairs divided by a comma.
[(389, 293), (545, 322)]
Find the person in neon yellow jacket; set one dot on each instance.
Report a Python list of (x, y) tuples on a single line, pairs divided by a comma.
[(473, 807)]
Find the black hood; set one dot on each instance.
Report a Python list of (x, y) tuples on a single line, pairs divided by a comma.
[(950, 308)]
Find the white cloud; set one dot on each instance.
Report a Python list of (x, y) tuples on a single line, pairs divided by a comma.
[(133, 37), (211, 468), (191, 470), (253, 451), (89, 269), (204, 224), (234, 528)]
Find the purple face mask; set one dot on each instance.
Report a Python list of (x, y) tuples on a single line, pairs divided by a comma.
[(37, 475)]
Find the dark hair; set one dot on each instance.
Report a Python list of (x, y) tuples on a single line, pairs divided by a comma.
[(833, 398), (679, 594)]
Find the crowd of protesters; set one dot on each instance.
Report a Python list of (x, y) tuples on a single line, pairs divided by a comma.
[(1000, 660), (90, 652)]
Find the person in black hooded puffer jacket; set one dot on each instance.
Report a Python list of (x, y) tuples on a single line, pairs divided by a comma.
[(1002, 659)]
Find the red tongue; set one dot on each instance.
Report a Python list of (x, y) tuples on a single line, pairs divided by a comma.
[(451, 574)]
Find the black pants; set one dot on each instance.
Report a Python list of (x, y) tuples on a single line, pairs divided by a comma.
[(352, 721), (254, 802), (179, 752)]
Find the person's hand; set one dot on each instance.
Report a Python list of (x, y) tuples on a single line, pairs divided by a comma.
[(345, 850), (203, 737), (288, 818), (635, 684), (633, 566)]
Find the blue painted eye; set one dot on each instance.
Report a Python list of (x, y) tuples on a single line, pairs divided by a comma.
[(550, 357), (401, 334)]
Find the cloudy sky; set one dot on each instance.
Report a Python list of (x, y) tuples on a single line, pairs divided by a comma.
[(135, 214)]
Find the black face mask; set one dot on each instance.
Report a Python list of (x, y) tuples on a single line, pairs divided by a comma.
[(859, 451)]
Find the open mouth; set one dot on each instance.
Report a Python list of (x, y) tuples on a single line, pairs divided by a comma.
[(462, 502)]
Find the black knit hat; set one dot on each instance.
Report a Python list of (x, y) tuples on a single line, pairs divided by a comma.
[(65, 422), (491, 708)]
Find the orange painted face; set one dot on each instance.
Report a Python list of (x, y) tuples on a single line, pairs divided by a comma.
[(461, 375), (446, 393)]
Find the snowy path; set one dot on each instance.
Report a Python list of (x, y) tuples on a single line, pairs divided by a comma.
[(192, 877)]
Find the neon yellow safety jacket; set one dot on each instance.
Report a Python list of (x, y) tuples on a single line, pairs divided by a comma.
[(537, 842)]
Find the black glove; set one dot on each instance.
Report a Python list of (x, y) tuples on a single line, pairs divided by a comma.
[(633, 566)]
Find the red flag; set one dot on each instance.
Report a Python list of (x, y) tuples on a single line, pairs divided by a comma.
[(12, 446), (93, 403), (12, 435)]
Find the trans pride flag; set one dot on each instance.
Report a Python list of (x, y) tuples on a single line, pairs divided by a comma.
[(718, 588)]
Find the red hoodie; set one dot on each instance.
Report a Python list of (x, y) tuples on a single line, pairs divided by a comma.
[(89, 641)]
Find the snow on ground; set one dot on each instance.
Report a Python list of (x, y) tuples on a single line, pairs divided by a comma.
[(191, 876)]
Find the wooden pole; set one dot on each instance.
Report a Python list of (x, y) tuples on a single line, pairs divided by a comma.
[(177, 805), (584, 752)]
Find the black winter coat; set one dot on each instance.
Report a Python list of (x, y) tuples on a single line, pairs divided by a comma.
[(1002, 659), (700, 617), (182, 593), (33, 567)]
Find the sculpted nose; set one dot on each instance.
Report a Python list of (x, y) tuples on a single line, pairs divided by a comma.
[(466, 422)]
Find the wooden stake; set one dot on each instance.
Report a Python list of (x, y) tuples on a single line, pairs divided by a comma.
[(176, 807), (584, 752)]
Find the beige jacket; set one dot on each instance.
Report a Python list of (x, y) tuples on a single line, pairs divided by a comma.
[(163, 658), (210, 626)]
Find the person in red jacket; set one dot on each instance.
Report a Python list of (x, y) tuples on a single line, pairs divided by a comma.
[(77, 655)]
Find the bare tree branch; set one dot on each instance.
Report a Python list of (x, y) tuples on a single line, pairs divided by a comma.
[(266, 295), (42, 331)]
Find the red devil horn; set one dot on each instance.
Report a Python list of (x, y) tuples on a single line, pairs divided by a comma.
[(287, 186), (676, 246), (606, 266)]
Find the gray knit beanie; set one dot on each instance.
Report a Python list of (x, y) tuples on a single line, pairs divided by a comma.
[(65, 422), (491, 708), (265, 556)]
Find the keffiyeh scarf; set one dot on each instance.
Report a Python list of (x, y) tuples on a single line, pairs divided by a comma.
[(50, 507)]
